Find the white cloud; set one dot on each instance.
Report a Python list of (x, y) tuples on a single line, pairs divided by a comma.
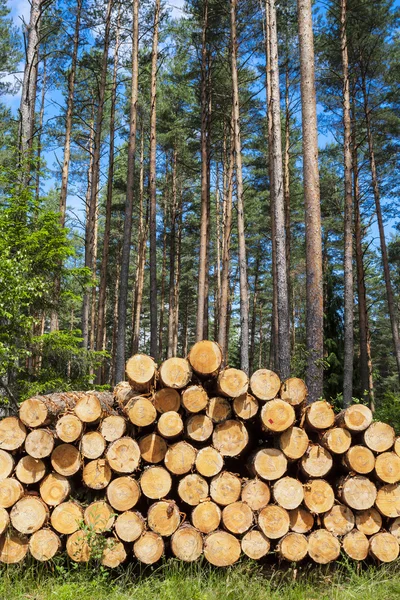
[(19, 9), (177, 8)]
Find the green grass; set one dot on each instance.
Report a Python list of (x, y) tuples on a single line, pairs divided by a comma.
[(176, 581)]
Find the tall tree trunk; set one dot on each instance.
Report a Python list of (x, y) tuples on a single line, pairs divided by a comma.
[(91, 238), (178, 275), (40, 127), (86, 293), (348, 219), (163, 273), (101, 313), (286, 174), (141, 253), (113, 372), (244, 295), (314, 285), (204, 221), (279, 203), (365, 369), (378, 210), (29, 85), (130, 179), (217, 292), (254, 311), (172, 259), (274, 345), (69, 114), (153, 191), (223, 327)]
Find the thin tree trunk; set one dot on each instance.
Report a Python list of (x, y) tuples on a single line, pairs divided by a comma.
[(279, 203), (204, 234), (163, 273), (141, 253), (40, 127), (217, 293), (378, 210), (254, 312), (178, 276), (223, 327), (86, 296), (348, 220), (101, 316), (365, 367), (29, 85), (244, 296), (172, 259), (153, 191), (260, 335), (314, 279), (130, 179), (113, 372), (208, 150), (69, 113), (274, 345)]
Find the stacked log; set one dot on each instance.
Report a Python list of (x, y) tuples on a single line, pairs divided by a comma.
[(189, 458)]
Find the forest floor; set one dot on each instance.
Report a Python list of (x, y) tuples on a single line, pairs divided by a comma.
[(176, 581)]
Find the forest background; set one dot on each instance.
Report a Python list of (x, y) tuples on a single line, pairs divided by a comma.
[(154, 159)]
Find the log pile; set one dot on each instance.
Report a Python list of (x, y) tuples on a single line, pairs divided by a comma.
[(191, 459)]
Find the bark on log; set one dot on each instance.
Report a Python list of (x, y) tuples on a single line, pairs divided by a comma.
[(209, 462), (269, 464), (232, 383), (187, 543), (265, 384), (123, 392), (194, 398), (44, 545), (206, 517), (255, 545), (123, 455), (44, 410), (218, 409), (256, 494), (288, 493), (245, 406), (66, 518), (97, 474), (167, 399), (129, 526), (39, 443), (155, 482), (66, 460), (29, 514), (123, 493), (54, 489), (175, 373), (193, 489), (277, 415), (320, 415), (149, 548), (92, 445), (30, 470), (225, 488), (323, 547), (293, 442), (318, 496), (273, 521), (293, 547), (152, 448), (294, 391), (379, 437), (69, 428), (99, 516), (141, 371), (205, 358), (339, 520), (163, 517), (180, 458), (237, 517), (10, 492), (356, 545), (230, 438), (221, 549)]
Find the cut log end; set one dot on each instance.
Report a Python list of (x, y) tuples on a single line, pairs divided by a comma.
[(323, 546), (274, 521), (30, 470), (12, 433), (129, 526), (245, 406), (368, 521), (294, 391), (180, 458), (255, 545), (141, 370), (232, 383), (123, 455), (337, 440), (10, 492), (318, 496), (92, 445), (288, 493), (316, 462), (194, 398), (269, 464), (356, 545), (44, 545), (123, 493), (225, 488), (206, 517), (293, 547), (387, 467), (384, 547), (388, 500), (256, 494), (293, 442), (193, 489), (13, 549), (66, 518), (379, 437), (199, 428), (301, 521), (149, 548), (113, 428), (209, 462), (320, 415), (175, 373), (78, 547), (153, 448), (218, 409), (170, 425), (187, 543), (237, 517), (141, 411), (54, 489), (339, 520), (230, 438), (39, 443), (163, 518), (69, 428), (66, 460), (357, 417), (166, 399), (277, 415), (156, 483), (33, 413), (99, 516), (97, 474), (359, 459), (358, 492), (29, 515), (221, 549), (114, 554), (205, 358)]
